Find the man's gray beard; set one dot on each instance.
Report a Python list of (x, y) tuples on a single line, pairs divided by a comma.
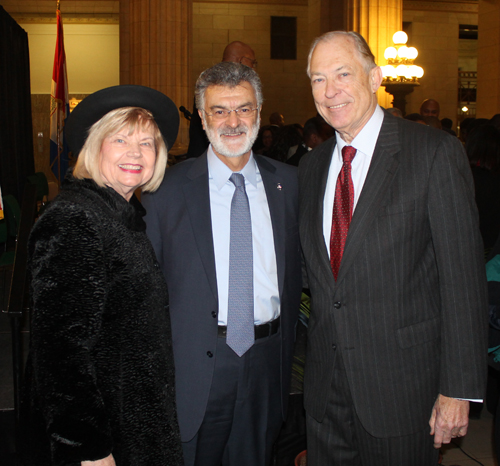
[(213, 136)]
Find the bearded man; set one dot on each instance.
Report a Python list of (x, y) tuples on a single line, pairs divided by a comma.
[(225, 230)]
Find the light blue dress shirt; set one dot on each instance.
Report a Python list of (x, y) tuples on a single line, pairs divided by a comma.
[(266, 291)]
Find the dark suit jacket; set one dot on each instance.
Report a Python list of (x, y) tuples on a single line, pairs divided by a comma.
[(299, 153), (180, 228), (408, 312)]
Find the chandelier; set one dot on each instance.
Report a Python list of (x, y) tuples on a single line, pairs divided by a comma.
[(400, 67)]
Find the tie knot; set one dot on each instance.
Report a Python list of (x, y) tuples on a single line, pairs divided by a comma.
[(238, 179), (348, 153)]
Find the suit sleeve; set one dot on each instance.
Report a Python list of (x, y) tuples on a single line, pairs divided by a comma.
[(69, 296), (462, 281)]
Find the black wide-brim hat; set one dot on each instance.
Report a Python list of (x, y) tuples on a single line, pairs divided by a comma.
[(95, 106)]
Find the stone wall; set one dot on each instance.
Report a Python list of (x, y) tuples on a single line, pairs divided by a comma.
[(434, 32), (286, 87)]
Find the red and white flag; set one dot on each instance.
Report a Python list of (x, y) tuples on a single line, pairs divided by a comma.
[(59, 106)]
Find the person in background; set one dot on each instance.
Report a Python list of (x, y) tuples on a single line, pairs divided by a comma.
[(483, 149), (446, 124), (493, 276), (286, 137), (429, 108), (395, 111), (316, 131), (416, 117), (433, 122), (397, 279), (277, 119), (265, 140), (235, 52), (495, 120), (225, 230), (99, 385)]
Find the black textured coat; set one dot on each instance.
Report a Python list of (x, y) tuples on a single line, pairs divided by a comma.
[(100, 375)]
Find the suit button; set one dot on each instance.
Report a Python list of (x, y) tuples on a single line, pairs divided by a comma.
[(214, 314), (210, 354), (334, 346), (337, 305)]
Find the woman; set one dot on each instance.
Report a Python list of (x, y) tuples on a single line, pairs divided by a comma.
[(100, 377), (265, 140)]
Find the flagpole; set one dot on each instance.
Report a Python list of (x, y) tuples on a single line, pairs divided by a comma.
[(59, 109)]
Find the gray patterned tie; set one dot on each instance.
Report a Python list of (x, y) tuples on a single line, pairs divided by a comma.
[(240, 320)]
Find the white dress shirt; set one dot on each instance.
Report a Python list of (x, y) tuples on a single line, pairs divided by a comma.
[(265, 272), (364, 143)]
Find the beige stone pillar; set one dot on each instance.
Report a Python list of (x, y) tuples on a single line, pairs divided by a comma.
[(376, 21), (488, 59), (155, 49)]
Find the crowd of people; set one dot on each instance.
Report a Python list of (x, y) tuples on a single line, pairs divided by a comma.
[(163, 332)]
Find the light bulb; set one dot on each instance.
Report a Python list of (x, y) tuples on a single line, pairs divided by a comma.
[(413, 71), (400, 37), (401, 70), (390, 53), (403, 52), (412, 53), (389, 71)]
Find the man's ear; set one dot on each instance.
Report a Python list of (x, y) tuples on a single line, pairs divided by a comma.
[(376, 78), (201, 118)]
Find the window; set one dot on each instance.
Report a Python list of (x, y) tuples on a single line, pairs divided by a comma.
[(283, 37)]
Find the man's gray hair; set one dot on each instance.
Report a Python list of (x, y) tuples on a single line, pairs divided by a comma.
[(227, 74), (366, 55)]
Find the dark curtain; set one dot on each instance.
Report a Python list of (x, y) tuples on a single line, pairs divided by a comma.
[(16, 130)]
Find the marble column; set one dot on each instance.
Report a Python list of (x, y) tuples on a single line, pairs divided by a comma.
[(376, 21), (488, 59), (155, 49)]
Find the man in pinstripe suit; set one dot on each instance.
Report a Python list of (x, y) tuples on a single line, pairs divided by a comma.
[(397, 334)]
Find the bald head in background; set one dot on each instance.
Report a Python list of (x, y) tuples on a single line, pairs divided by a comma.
[(239, 52), (236, 52), (429, 108)]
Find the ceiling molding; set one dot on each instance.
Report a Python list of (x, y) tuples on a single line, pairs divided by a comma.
[(45, 18), (264, 2), (68, 7), (448, 6)]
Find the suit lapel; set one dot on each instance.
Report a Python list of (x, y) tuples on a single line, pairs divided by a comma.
[(276, 203), (197, 196), (380, 175), (321, 162)]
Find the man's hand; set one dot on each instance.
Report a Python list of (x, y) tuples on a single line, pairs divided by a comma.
[(449, 419), (108, 461)]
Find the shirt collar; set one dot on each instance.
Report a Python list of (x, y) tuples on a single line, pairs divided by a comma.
[(366, 139), (220, 172)]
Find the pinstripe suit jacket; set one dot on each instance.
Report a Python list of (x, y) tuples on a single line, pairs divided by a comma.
[(408, 311)]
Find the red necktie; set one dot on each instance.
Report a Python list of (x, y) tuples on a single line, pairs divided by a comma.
[(342, 210)]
